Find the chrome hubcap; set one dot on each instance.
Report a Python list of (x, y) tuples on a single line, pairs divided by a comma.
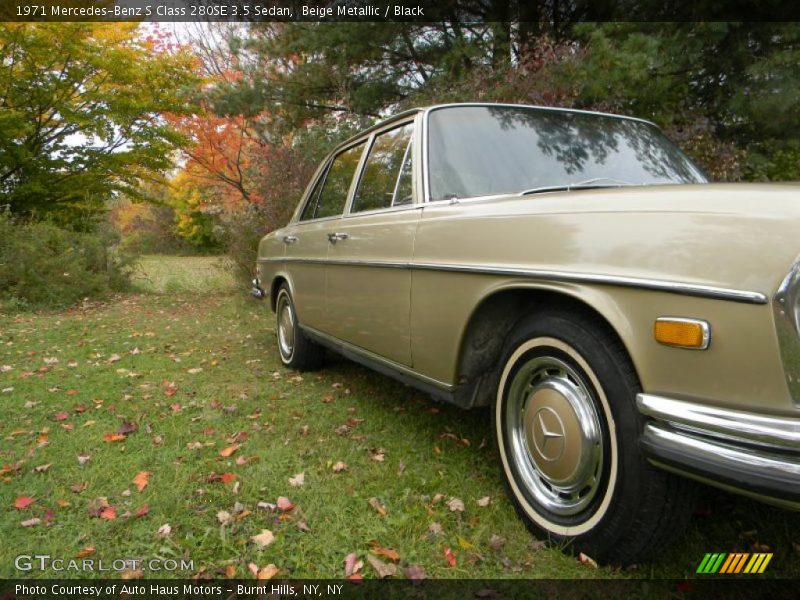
[(555, 435), (285, 327)]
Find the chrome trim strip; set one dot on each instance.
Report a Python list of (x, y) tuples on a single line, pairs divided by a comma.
[(732, 425), (742, 470), (334, 341), (786, 308), (673, 287), (704, 326)]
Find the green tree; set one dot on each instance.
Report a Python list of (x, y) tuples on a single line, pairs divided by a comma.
[(80, 115)]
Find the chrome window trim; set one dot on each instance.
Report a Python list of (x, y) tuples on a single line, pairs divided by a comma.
[(786, 310), (379, 130), (704, 326), (674, 287), (322, 172), (428, 198), (727, 424)]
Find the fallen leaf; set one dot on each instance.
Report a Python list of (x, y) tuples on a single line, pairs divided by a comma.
[(303, 526), (437, 498), (434, 529), (496, 542), (350, 564), (109, 513), (194, 371), (389, 553), (113, 437), (587, 560), (63, 503), (449, 556), (416, 573), (485, 501), (265, 538), (267, 572), (226, 452), (297, 480), (164, 530), (141, 480), (464, 543), (142, 511), (379, 508), (79, 487), (43, 468), (127, 428), (170, 388), (61, 416), (128, 574), (381, 568), (87, 551), (114, 358), (23, 502), (377, 454), (455, 505), (226, 478), (224, 517), (31, 522), (339, 467), (97, 506), (284, 504)]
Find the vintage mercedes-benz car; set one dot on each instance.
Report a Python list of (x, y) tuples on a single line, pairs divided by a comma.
[(632, 325)]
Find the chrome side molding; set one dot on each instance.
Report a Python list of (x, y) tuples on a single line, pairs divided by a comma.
[(786, 308)]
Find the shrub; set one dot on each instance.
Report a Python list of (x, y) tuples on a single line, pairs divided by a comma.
[(43, 265)]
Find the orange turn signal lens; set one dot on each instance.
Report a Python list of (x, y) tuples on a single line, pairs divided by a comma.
[(682, 333)]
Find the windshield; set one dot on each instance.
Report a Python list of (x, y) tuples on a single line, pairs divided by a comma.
[(487, 150)]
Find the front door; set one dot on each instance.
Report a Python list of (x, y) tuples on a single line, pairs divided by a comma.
[(370, 248)]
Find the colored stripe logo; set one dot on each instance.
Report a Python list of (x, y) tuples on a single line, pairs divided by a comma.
[(734, 562)]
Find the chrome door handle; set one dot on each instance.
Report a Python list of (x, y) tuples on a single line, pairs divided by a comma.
[(337, 237), (289, 239)]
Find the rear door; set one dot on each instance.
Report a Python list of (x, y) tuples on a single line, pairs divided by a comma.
[(307, 242), (368, 279)]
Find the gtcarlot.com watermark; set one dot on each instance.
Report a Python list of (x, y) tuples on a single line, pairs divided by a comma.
[(45, 562)]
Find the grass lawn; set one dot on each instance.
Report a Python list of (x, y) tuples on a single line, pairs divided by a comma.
[(180, 380)]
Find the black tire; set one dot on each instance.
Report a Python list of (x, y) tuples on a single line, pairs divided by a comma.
[(294, 348), (567, 432)]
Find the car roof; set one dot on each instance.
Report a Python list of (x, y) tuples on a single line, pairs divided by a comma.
[(413, 111)]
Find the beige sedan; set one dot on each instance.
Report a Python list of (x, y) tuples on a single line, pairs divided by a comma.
[(631, 325)]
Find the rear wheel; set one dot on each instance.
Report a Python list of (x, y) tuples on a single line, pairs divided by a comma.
[(295, 349), (567, 431)]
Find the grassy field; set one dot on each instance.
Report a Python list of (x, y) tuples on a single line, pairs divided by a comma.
[(159, 424)]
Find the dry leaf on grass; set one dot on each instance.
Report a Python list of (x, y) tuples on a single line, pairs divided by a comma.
[(381, 568), (297, 480), (455, 505), (379, 508), (141, 480), (265, 538)]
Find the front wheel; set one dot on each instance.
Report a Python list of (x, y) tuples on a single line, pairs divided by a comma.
[(567, 432)]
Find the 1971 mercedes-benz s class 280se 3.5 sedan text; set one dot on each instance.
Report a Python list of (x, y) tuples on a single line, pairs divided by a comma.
[(632, 325)]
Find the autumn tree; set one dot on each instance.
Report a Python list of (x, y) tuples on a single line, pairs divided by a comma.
[(80, 115)]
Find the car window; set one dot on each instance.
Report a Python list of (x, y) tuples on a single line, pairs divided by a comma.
[(313, 197), (332, 194), (385, 171), (404, 193)]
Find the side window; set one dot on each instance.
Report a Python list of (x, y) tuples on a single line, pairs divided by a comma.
[(386, 180), (311, 205), (333, 194)]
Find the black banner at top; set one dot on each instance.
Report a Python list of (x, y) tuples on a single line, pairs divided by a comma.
[(397, 10)]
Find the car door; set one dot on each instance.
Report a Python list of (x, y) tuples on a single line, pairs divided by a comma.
[(368, 279), (307, 241)]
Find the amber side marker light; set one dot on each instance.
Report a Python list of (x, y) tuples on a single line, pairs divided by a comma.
[(682, 333)]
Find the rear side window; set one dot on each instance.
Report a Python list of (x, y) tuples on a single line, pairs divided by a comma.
[(386, 179), (330, 194)]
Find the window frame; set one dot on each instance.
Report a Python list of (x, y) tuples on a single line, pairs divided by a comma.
[(321, 176), (408, 148)]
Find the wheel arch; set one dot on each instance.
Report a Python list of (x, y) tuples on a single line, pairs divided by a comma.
[(500, 309), (278, 280)]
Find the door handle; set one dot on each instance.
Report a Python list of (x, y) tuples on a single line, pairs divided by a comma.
[(337, 237), (289, 239)]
